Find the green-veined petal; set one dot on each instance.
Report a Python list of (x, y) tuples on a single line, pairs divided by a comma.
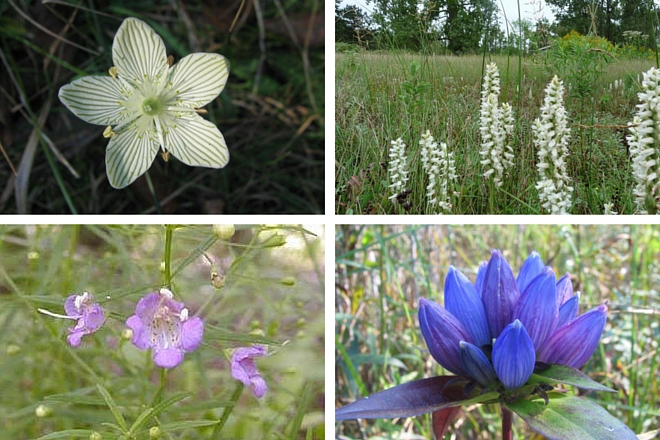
[(198, 78), (138, 52), (128, 156), (94, 99), (197, 142)]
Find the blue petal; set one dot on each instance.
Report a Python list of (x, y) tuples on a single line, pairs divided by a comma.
[(568, 311), (564, 289), (479, 282), (477, 364), (537, 307), (462, 301), (532, 266), (513, 356), (500, 293), (443, 332)]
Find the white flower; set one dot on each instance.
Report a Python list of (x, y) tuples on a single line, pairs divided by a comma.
[(608, 209), (398, 169), (551, 136), (148, 105), (496, 125), (644, 142), (440, 167)]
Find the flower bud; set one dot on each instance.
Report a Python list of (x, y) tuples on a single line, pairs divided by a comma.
[(154, 432), (43, 411), (462, 301), (224, 232), (477, 364), (500, 293), (568, 311), (564, 289), (95, 435), (529, 270), (537, 307), (513, 355)]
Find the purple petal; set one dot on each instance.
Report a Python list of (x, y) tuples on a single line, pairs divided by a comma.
[(244, 369), (499, 294), (479, 282), (258, 386), (573, 344), (140, 333), (75, 338), (477, 364), (147, 306), (443, 333), (70, 306), (532, 267), (192, 332), (513, 355), (168, 358), (564, 289), (568, 311), (537, 307), (462, 301), (94, 317)]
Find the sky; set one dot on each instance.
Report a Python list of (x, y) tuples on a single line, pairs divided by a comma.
[(510, 7)]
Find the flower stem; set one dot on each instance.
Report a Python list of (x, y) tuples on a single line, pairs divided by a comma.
[(228, 409), (153, 192), (168, 256), (507, 418)]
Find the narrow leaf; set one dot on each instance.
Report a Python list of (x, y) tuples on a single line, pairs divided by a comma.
[(67, 434), (412, 399), (569, 417), (568, 375), (113, 407)]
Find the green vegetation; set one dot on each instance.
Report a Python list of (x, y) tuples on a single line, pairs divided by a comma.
[(271, 112), (263, 286), (381, 96), (383, 271)]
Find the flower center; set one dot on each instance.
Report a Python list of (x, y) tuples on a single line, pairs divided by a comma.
[(152, 106)]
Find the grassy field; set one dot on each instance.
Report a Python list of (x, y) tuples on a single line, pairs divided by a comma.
[(383, 271), (383, 96), (271, 111), (272, 294)]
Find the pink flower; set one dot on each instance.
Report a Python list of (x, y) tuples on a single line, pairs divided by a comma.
[(164, 325)]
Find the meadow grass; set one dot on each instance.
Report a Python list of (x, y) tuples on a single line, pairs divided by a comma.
[(272, 294), (381, 96), (383, 271)]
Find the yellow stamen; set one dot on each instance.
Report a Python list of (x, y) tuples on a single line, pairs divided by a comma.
[(113, 72), (108, 133)]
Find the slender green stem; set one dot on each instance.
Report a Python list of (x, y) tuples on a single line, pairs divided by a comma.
[(153, 192), (228, 409), (161, 388), (167, 260)]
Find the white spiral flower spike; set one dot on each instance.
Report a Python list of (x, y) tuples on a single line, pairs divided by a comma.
[(398, 169), (149, 105)]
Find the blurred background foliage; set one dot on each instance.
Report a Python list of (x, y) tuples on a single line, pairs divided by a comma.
[(382, 271), (271, 112), (264, 285)]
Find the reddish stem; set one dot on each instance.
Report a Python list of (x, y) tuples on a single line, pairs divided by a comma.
[(507, 419)]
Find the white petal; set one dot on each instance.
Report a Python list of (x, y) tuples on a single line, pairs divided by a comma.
[(197, 142), (94, 99), (128, 156), (198, 78), (138, 52)]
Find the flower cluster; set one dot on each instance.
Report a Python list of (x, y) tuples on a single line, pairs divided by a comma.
[(148, 104), (551, 137), (440, 167), (496, 124), (398, 168), (531, 318), (644, 142)]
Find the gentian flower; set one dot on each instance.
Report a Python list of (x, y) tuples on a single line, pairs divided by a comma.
[(243, 369), (90, 316), (532, 321), (148, 105), (163, 324)]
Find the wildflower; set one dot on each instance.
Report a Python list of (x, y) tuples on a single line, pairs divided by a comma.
[(243, 369), (148, 105), (398, 170), (164, 324), (609, 209), (90, 316), (495, 124), (440, 167), (539, 324), (551, 136), (645, 145)]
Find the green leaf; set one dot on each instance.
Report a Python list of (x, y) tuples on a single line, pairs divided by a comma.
[(113, 407), (68, 433), (187, 425), (569, 417), (567, 375)]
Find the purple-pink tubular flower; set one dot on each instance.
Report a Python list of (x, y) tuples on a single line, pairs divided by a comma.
[(163, 324), (243, 369), (539, 323), (90, 316)]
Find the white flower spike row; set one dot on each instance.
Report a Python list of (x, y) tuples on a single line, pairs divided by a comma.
[(148, 105)]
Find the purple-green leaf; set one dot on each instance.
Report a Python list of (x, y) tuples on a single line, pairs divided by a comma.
[(567, 375), (569, 417), (412, 399)]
